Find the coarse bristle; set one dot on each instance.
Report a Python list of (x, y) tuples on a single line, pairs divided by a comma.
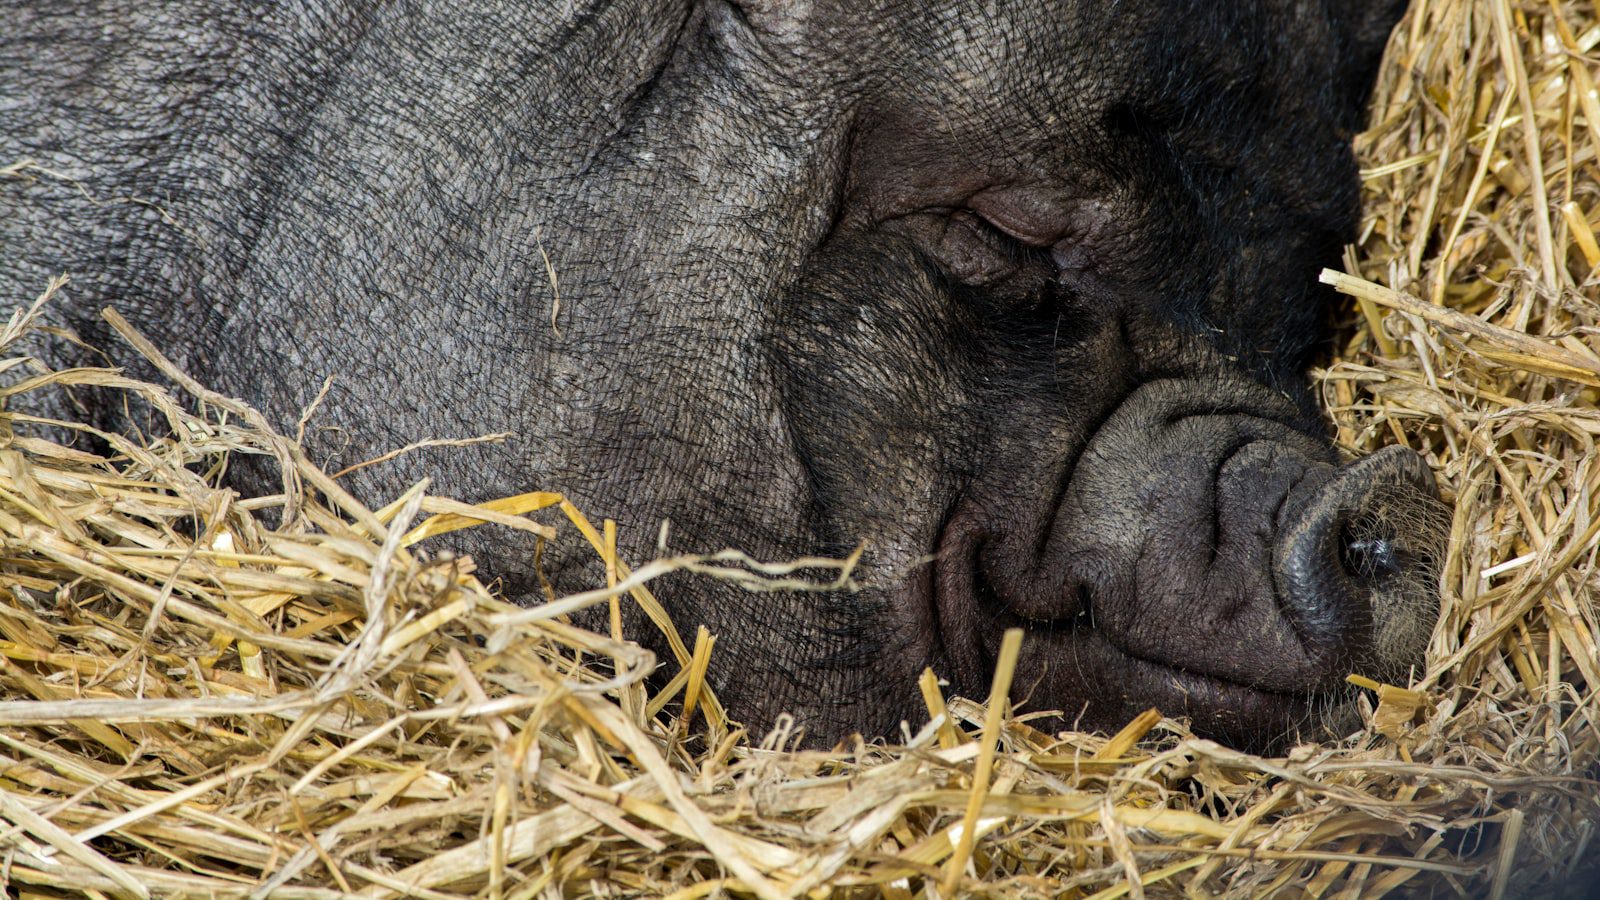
[(294, 696)]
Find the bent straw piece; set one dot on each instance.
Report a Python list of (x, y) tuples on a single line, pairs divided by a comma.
[(999, 696), (453, 515), (1458, 321)]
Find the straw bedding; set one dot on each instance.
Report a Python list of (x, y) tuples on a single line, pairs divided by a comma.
[(295, 696)]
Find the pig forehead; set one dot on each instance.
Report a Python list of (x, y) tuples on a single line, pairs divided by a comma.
[(1030, 86), (1066, 51)]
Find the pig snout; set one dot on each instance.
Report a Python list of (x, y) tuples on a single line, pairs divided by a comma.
[(1209, 559)]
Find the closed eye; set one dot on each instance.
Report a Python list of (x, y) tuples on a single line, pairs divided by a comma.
[(1021, 250)]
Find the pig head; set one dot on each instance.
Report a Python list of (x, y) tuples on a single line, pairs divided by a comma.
[(1019, 295)]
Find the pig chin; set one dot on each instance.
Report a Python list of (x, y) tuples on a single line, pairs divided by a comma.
[(1203, 558)]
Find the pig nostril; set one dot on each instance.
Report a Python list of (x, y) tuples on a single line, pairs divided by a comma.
[(1083, 614), (1368, 557)]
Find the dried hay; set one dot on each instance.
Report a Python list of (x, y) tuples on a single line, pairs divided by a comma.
[(201, 704)]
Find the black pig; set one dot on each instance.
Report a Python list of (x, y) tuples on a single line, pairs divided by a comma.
[(1026, 289)]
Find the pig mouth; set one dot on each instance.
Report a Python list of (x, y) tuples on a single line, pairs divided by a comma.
[(1088, 677), (1215, 706), (1116, 681)]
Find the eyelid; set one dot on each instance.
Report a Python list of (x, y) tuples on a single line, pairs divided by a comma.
[(1022, 237), (1077, 232), (1026, 217)]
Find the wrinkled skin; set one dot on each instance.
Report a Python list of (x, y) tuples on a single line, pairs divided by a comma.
[(1024, 289)]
